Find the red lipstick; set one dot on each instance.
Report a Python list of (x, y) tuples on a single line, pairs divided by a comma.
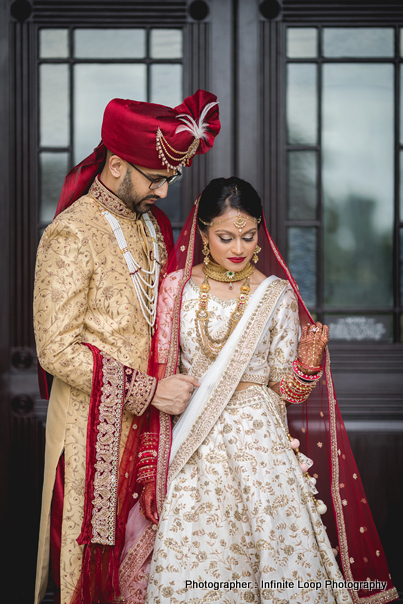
[(237, 260)]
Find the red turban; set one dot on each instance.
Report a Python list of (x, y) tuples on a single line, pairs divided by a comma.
[(148, 135)]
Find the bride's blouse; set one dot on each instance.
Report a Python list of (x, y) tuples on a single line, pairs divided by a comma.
[(276, 350), (274, 354)]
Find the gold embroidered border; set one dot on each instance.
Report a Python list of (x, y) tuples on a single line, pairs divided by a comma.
[(164, 449), (108, 200), (107, 453), (140, 392), (226, 385), (250, 396), (255, 378), (382, 597), (173, 349), (135, 558), (276, 374)]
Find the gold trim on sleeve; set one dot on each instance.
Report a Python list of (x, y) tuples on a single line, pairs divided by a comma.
[(140, 392)]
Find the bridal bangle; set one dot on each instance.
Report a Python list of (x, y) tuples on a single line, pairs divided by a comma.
[(312, 377), (293, 390), (296, 387), (148, 457)]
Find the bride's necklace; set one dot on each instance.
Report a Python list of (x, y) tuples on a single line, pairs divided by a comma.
[(212, 346), (218, 273)]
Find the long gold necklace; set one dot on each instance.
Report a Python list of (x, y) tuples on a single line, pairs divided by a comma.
[(212, 346), (218, 273)]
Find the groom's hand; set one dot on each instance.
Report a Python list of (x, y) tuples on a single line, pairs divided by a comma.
[(173, 393)]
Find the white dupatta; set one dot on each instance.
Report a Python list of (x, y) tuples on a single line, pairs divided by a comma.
[(191, 428)]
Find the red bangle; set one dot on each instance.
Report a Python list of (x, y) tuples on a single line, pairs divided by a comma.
[(310, 378), (317, 369)]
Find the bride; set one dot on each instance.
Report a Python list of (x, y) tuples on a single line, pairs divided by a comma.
[(236, 513)]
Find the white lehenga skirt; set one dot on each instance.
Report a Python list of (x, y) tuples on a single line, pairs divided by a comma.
[(240, 511)]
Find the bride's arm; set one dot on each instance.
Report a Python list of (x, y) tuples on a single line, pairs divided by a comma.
[(294, 367)]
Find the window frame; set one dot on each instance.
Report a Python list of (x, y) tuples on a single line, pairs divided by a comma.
[(319, 310)]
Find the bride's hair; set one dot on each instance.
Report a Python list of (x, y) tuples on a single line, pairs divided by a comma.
[(222, 194)]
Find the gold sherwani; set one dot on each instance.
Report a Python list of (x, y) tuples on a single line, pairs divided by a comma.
[(84, 293)]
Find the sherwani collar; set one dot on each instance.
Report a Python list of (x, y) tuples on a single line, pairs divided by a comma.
[(111, 202)]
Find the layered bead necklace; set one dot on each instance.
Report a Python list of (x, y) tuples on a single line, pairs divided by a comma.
[(143, 280), (213, 346)]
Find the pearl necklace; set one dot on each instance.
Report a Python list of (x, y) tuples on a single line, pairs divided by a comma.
[(148, 303)]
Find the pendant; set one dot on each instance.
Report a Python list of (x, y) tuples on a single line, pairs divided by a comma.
[(230, 286), (230, 274)]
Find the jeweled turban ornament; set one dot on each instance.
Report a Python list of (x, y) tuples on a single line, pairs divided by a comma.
[(197, 129)]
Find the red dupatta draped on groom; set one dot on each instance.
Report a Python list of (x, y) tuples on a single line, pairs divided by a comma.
[(317, 423)]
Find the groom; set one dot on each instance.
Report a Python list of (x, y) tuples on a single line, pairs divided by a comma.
[(95, 298)]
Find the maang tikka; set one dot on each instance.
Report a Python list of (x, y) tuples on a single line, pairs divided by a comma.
[(239, 223)]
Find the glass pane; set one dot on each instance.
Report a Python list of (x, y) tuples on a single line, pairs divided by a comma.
[(401, 186), (302, 104), (376, 328), (171, 204), (105, 83), (302, 191), (166, 85), (302, 261), (110, 43), (401, 42), (358, 42), (358, 184), (166, 44), (302, 42), (401, 267), (401, 103), (53, 43), (54, 105), (53, 169)]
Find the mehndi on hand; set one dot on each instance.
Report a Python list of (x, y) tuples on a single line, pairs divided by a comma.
[(314, 338), (148, 502)]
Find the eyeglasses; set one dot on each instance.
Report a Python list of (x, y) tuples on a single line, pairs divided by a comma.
[(156, 183)]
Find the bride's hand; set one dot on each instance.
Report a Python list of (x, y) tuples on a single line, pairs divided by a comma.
[(148, 502), (314, 338)]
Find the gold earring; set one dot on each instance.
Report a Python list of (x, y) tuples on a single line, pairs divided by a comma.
[(255, 256), (206, 253)]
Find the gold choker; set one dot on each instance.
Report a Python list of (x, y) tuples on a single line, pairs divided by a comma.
[(219, 273)]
